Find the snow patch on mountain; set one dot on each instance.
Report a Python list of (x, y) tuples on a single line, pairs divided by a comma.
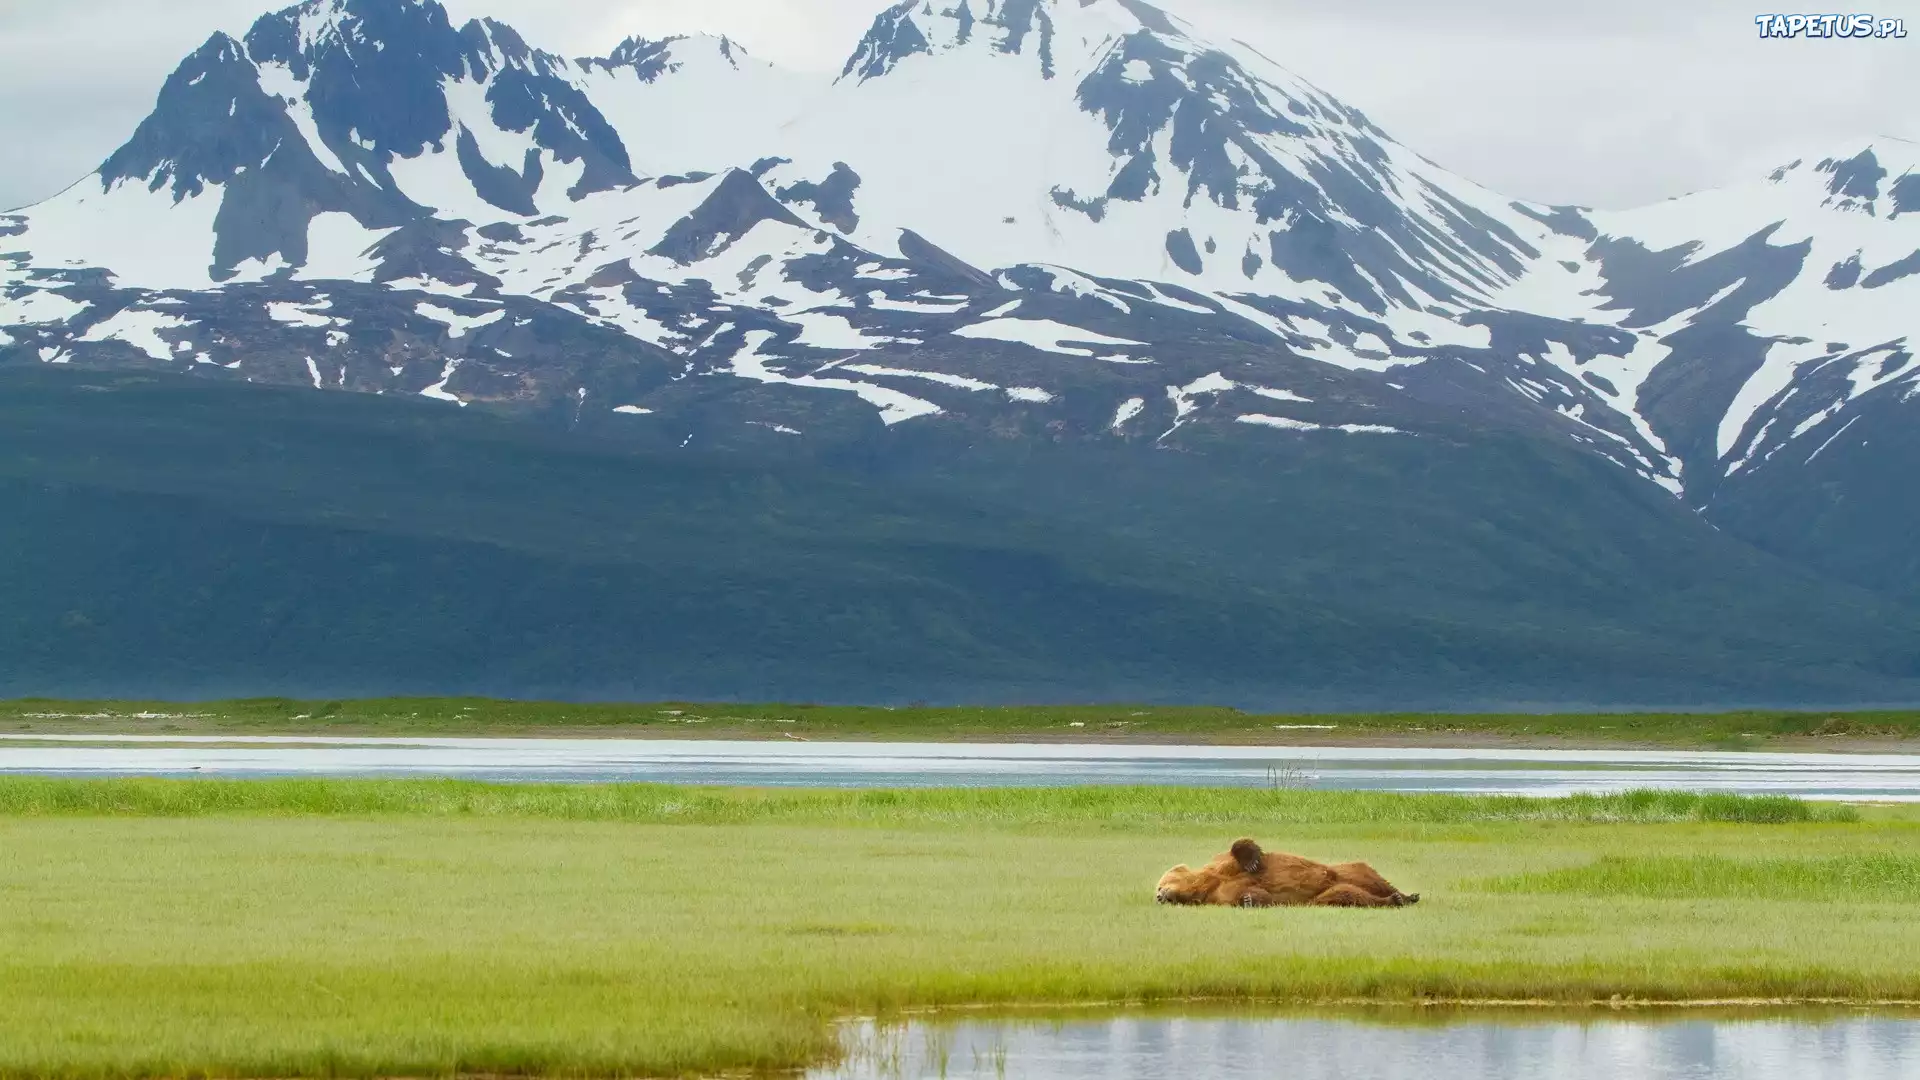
[(438, 391), (944, 379), (310, 314), (457, 323), (1285, 424), (142, 238), (895, 407), (1050, 336), (340, 248), (141, 329), (696, 103), (38, 307)]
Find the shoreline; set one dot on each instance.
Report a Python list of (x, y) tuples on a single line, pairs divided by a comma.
[(1356, 739), (1118, 724), (1187, 1006)]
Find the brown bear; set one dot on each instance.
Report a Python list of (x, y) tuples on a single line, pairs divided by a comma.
[(1249, 877)]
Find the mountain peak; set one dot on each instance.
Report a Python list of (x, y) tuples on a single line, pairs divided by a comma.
[(650, 58), (1032, 28), (374, 65), (315, 26), (1878, 178), (216, 86)]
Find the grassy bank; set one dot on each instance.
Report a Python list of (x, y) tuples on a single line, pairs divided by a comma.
[(382, 929), (1106, 723), (1111, 807)]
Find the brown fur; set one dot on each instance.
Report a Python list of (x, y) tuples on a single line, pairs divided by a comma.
[(1249, 877)]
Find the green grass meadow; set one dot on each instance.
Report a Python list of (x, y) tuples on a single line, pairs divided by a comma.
[(329, 928)]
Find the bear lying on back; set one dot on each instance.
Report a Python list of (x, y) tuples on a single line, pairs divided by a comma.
[(1249, 877)]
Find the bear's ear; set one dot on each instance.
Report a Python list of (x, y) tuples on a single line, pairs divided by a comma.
[(1248, 855)]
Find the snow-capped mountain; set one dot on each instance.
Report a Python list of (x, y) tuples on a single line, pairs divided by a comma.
[(1062, 216), (1783, 308)]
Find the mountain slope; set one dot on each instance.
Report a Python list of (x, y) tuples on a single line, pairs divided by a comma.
[(242, 540), (1071, 232)]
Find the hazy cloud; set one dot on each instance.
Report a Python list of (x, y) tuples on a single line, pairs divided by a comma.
[(1601, 102)]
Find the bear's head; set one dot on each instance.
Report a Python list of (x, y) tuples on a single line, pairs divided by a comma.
[(1184, 885)]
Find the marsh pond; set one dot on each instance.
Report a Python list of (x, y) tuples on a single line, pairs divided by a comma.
[(1388, 1045)]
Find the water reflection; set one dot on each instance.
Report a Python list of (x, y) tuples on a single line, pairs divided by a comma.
[(1856, 1047)]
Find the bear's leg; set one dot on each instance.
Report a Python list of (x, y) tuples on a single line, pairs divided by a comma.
[(1350, 896), (1368, 879), (1255, 898)]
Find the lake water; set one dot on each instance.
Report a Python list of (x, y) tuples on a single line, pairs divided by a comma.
[(1858, 1047), (1885, 777)]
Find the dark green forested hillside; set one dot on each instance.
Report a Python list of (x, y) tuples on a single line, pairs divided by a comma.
[(173, 538), (1851, 512)]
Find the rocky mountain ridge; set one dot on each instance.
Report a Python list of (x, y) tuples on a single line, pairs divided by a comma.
[(1059, 202)]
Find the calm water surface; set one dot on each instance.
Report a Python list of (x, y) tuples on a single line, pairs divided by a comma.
[(1152, 1048), (835, 764)]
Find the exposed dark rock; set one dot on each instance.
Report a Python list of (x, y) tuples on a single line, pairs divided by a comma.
[(503, 232), (430, 249), (963, 17), (561, 119), (500, 185), (1095, 209), (832, 198), (1181, 250), (736, 204), (211, 119), (1020, 18), (648, 60), (937, 262), (686, 178), (1565, 220), (1150, 17), (1856, 177), (1905, 195), (1654, 286), (1893, 271), (389, 95), (893, 38), (1845, 274)]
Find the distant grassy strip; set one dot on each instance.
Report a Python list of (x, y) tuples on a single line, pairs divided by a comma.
[(660, 804), (1851, 877), (460, 716)]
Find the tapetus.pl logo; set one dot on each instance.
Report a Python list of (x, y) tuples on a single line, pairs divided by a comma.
[(1830, 26)]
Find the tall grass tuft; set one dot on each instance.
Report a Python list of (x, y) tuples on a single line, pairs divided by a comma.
[(662, 804)]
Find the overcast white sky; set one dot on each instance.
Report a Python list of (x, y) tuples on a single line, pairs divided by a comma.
[(1605, 103)]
